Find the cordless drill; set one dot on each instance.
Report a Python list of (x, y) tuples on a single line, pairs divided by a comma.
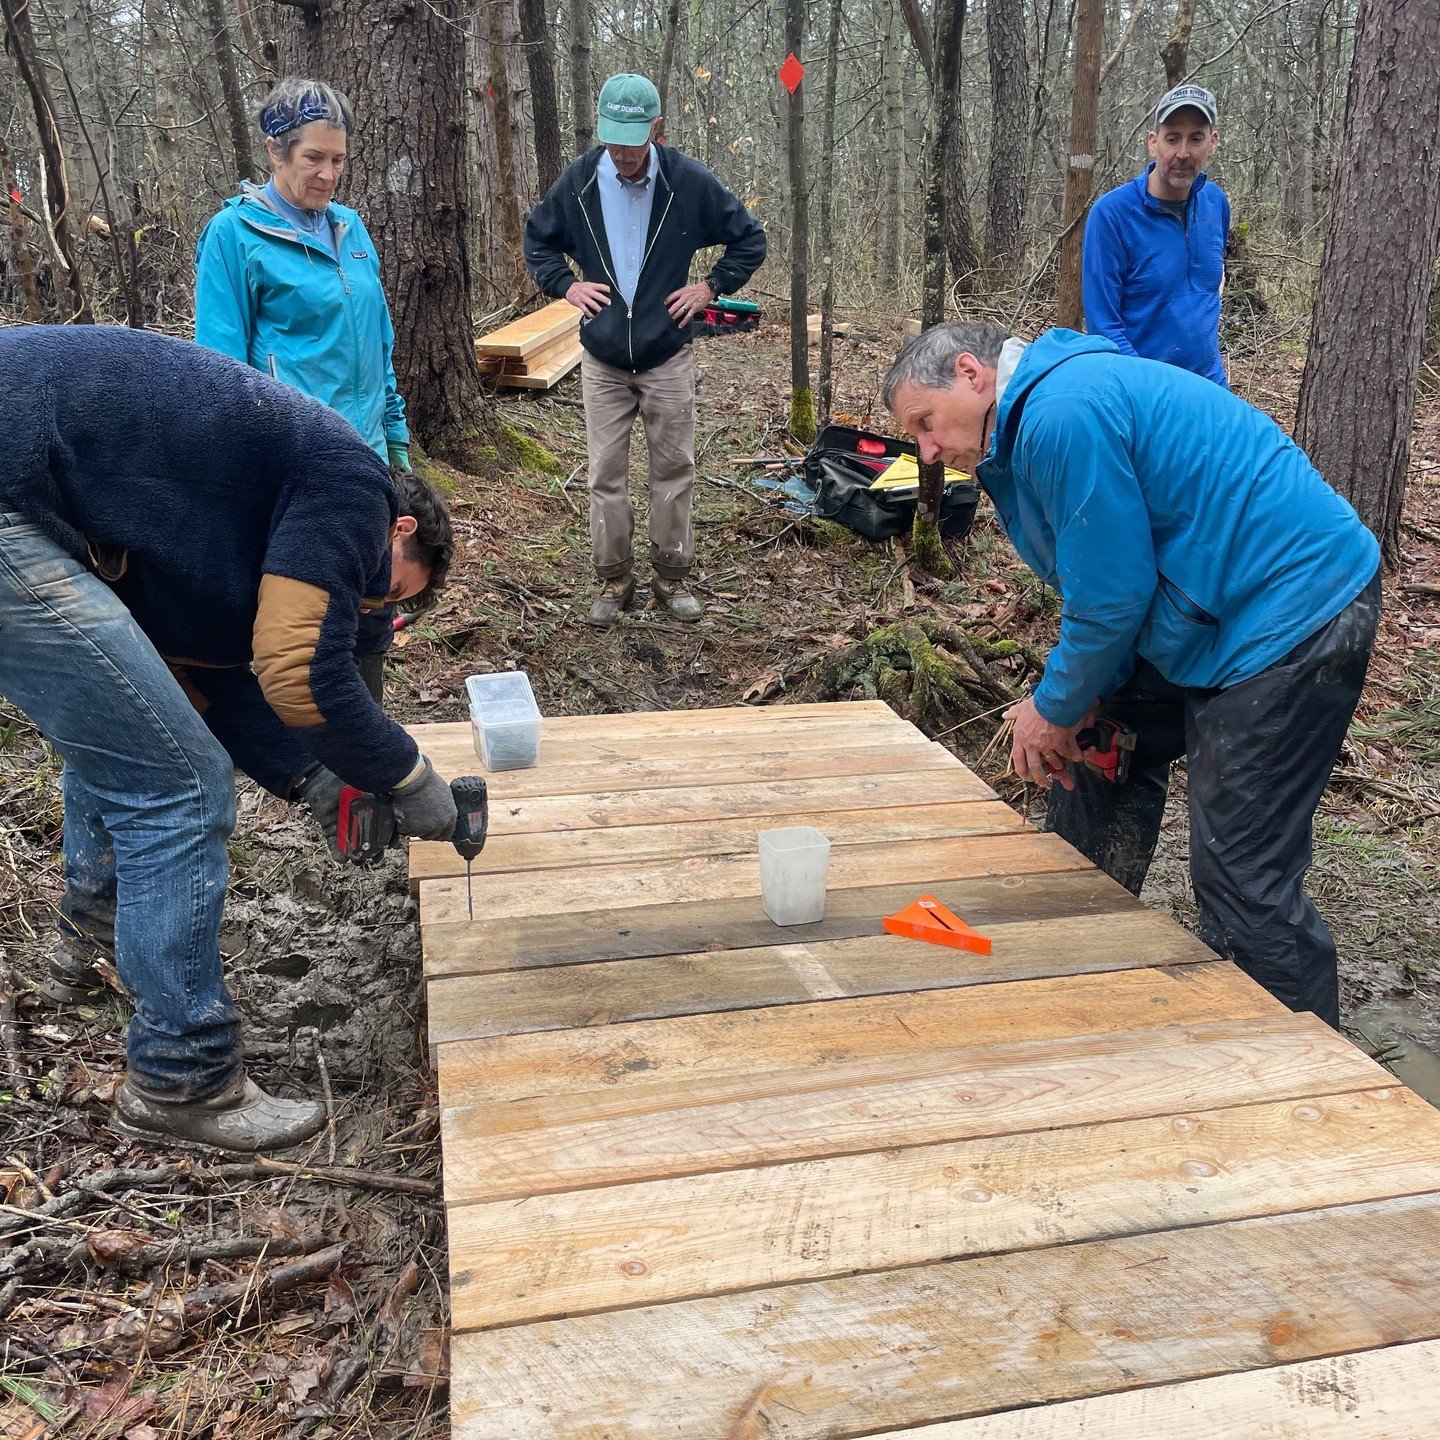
[(365, 826), (1108, 746)]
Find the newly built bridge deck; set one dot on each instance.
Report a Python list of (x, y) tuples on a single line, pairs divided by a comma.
[(708, 1179)]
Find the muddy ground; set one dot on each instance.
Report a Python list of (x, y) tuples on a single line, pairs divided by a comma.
[(146, 1293)]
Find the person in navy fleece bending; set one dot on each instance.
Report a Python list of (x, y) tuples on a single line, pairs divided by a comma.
[(186, 549), (1220, 599), (1154, 256)]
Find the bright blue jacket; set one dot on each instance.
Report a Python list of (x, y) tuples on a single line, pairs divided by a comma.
[(1152, 284), (276, 300), (1179, 524)]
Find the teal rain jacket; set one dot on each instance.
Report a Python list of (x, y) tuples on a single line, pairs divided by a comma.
[(1179, 524), (276, 300)]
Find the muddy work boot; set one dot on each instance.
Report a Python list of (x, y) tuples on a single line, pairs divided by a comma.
[(675, 598), (615, 595), (73, 973), (241, 1118)]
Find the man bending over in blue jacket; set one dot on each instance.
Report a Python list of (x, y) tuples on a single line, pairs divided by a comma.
[(1220, 599), (186, 548)]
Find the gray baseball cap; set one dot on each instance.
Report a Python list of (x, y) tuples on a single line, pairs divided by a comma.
[(1182, 97)]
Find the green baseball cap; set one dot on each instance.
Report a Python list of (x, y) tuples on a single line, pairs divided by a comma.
[(629, 105)]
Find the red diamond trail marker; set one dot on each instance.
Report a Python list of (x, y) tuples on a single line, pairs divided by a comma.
[(792, 72)]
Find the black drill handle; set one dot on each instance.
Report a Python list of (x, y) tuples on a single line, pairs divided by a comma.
[(472, 821)]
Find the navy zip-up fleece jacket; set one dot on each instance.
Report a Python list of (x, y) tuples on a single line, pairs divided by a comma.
[(1151, 282), (691, 211), (238, 520)]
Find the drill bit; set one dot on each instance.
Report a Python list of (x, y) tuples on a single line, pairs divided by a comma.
[(469, 889)]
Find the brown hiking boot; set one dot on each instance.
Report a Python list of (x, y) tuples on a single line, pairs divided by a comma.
[(615, 595), (673, 595), (242, 1118)]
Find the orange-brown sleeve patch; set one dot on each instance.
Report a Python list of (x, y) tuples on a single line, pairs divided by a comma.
[(287, 630)]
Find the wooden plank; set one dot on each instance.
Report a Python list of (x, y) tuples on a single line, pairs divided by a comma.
[(769, 1050), (547, 375), (529, 332), (943, 1342), (454, 754), (485, 946), (542, 355), (728, 877), (721, 720), (604, 810), (604, 993), (635, 844), (681, 771), (794, 1049), (524, 1148), (663, 1240), (1389, 1394)]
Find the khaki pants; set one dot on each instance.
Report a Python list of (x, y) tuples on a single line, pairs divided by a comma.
[(664, 398)]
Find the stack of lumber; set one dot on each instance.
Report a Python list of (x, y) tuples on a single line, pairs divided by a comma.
[(533, 352), (843, 328)]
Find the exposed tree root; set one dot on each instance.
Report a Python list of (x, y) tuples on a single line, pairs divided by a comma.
[(933, 674)]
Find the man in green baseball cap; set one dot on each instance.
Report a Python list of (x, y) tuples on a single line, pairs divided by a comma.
[(631, 213), (629, 109)]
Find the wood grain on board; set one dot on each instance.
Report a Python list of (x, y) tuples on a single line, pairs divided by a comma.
[(910, 1347), (674, 1239)]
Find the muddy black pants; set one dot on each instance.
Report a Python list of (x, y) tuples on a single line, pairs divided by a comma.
[(1258, 757)]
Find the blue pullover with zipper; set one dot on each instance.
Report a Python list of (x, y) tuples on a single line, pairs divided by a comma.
[(1179, 524), (1151, 281), (278, 299)]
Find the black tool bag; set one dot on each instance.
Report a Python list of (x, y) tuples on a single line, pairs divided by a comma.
[(843, 463)]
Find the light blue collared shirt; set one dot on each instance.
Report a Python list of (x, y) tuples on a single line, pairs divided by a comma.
[(625, 207), (314, 223)]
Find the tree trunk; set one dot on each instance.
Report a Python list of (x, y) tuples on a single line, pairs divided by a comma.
[(1357, 395), (939, 141), (669, 31), (1080, 175), (544, 108), (20, 40), (1175, 52), (24, 256), (502, 153), (802, 398), (582, 89), (163, 132), (1009, 104), (893, 241), (961, 245), (827, 223), (217, 22), (403, 66)]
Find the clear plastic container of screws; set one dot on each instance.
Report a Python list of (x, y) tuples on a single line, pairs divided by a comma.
[(504, 719)]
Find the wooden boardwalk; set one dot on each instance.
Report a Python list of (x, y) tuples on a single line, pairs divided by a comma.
[(711, 1180)]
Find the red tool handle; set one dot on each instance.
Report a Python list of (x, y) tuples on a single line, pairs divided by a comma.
[(362, 831)]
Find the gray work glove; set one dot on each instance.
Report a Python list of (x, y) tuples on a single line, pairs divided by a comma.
[(424, 806), (320, 789)]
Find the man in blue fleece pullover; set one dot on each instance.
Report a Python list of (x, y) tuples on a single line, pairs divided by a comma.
[(1219, 598), (1154, 257), (186, 547)]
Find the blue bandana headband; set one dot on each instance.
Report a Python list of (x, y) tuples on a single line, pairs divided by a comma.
[(281, 117)]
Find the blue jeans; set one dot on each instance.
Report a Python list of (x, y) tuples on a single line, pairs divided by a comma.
[(149, 805)]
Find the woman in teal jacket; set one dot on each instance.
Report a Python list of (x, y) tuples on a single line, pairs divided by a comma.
[(288, 282)]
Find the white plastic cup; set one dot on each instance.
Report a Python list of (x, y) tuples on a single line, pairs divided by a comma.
[(793, 866)]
